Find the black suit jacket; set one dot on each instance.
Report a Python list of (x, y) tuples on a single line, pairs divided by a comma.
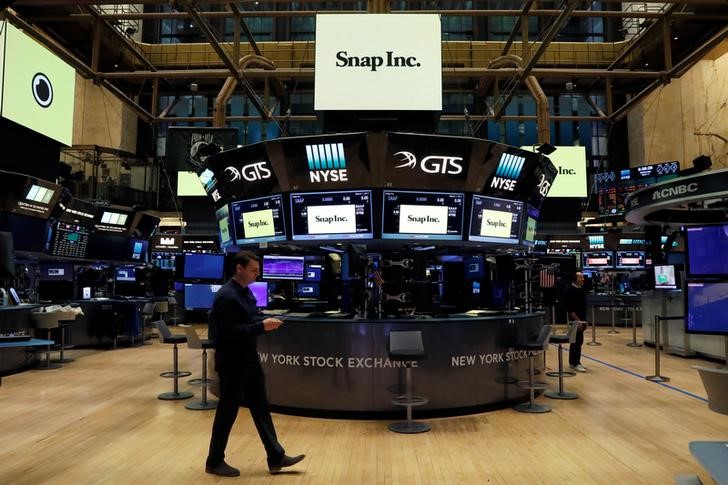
[(234, 326)]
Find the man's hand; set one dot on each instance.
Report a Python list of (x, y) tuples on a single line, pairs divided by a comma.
[(271, 324)]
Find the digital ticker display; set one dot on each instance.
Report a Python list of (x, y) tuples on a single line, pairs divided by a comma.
[(495, 220), (332, 215), (422, 215), (258, 220)]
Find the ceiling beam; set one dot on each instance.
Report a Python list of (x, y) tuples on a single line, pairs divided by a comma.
[(516, 27), (229, 63), (503, 101)]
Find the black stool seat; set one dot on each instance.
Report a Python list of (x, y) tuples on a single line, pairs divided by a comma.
[(168, 337), (559, 339), (536, 345), (207, 343), (408, 347)]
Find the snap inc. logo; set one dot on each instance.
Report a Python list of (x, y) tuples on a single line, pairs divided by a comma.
[(443, 164), (343, 59), (42, 90)]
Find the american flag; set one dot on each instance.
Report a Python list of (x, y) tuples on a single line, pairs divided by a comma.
[(376, 277), (547, 277)]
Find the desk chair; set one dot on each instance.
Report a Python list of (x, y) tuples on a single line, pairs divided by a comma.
[(166, 337), (194, 342), (560, 339), (407, 347), (534, 347)]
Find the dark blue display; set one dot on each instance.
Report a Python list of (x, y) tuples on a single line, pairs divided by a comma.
[(207, 266), (307, 290), (138, 249), (313, 272), (125, 274), (283, 267), (199, 296), (707, 250), (474, 267), (260, 292), (706, 308)]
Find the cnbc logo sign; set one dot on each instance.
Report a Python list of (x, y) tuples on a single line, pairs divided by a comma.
[(507, 172), (326, 163)]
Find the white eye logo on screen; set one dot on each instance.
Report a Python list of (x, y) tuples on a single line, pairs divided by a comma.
[(42, 90), (408, 158)]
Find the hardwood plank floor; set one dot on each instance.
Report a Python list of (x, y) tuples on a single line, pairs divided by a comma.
[(97, 420)]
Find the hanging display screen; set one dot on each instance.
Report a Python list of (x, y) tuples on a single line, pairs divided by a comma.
[(332, 215), (495, 220), (422, 215), (258, 220)]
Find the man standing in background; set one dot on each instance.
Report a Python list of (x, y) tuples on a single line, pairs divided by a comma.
[(575, 305)]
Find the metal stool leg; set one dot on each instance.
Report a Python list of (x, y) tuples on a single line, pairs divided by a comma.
[(175, 395), (409, 426), (203, 403), (48, 365), (531, 406), (561, 394), (61, 359)]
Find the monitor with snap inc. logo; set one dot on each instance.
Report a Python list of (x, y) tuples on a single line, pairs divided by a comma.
[(422, 215), (495, 220), (332, 215), (258, 220)]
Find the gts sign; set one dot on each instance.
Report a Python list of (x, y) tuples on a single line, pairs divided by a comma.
[(250, 173), (442, 164)]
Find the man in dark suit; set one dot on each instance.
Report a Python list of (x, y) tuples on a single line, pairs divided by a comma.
[(235, 326), (575, 304)]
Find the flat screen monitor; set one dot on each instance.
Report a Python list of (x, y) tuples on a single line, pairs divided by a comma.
[(29, 233), (166, 243), (56, 272), (706, 308), (75, 211), (260, 292), (203, 266), (138, 249), (69, 240), (258, 220), (308, 290), (422, 215), (14, 296), (283, 267), (495, 220), (332, 215), (313, 272), (200, 296), (474, 267), (704, 244), (529, 229), (630, 259), (112, 220), (125, 274), (597, 260), (107, 247), (665, 277), (499, 295), (224, 228), (39, 198)]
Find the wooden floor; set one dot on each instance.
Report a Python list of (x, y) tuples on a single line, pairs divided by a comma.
[(97, 420)]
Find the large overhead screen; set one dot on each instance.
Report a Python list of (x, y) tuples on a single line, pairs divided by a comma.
[(570, 163), (37, 87), (390, 62)]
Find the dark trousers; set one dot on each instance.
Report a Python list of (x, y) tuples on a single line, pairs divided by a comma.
[(248, 383), (575, 348)]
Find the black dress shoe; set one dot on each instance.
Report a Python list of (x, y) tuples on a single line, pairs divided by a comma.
[(284, 462), (223, 469)]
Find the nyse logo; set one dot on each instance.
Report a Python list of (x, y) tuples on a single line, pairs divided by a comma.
[(251, 172), (167, 241), (674, 191), (507, 172), (442, 164), (326, 163)]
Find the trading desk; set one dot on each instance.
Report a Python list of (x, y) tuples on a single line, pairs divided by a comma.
[(341, 365)]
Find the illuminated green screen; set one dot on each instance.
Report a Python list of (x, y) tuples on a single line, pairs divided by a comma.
[(38, 87)]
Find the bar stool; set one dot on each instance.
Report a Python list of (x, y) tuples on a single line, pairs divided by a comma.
[(161, 308), (173, 308), (539, 344), (560, 339), (194, 342), (48, 321), (166, 337), (147, 314), (64, 324), (407, 347)]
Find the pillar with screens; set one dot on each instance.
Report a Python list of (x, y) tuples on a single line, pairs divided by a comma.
[(706, 288)]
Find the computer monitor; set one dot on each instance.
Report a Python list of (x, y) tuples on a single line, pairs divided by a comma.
[(630, 259), (422, 215), (69, 240), (332, 215), (200, 296), (665, 277), (14, 296), (203, 266), (529, 229), (495, 220), (260, 292), (597, 260), (55, 272), (113, 220), (704, 244), (138, 249), (283, 267), (224, 227), (308, 290), (499, 294), (474, 267), (258, 220), (313, 272), (706, 308), (125, 274)]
